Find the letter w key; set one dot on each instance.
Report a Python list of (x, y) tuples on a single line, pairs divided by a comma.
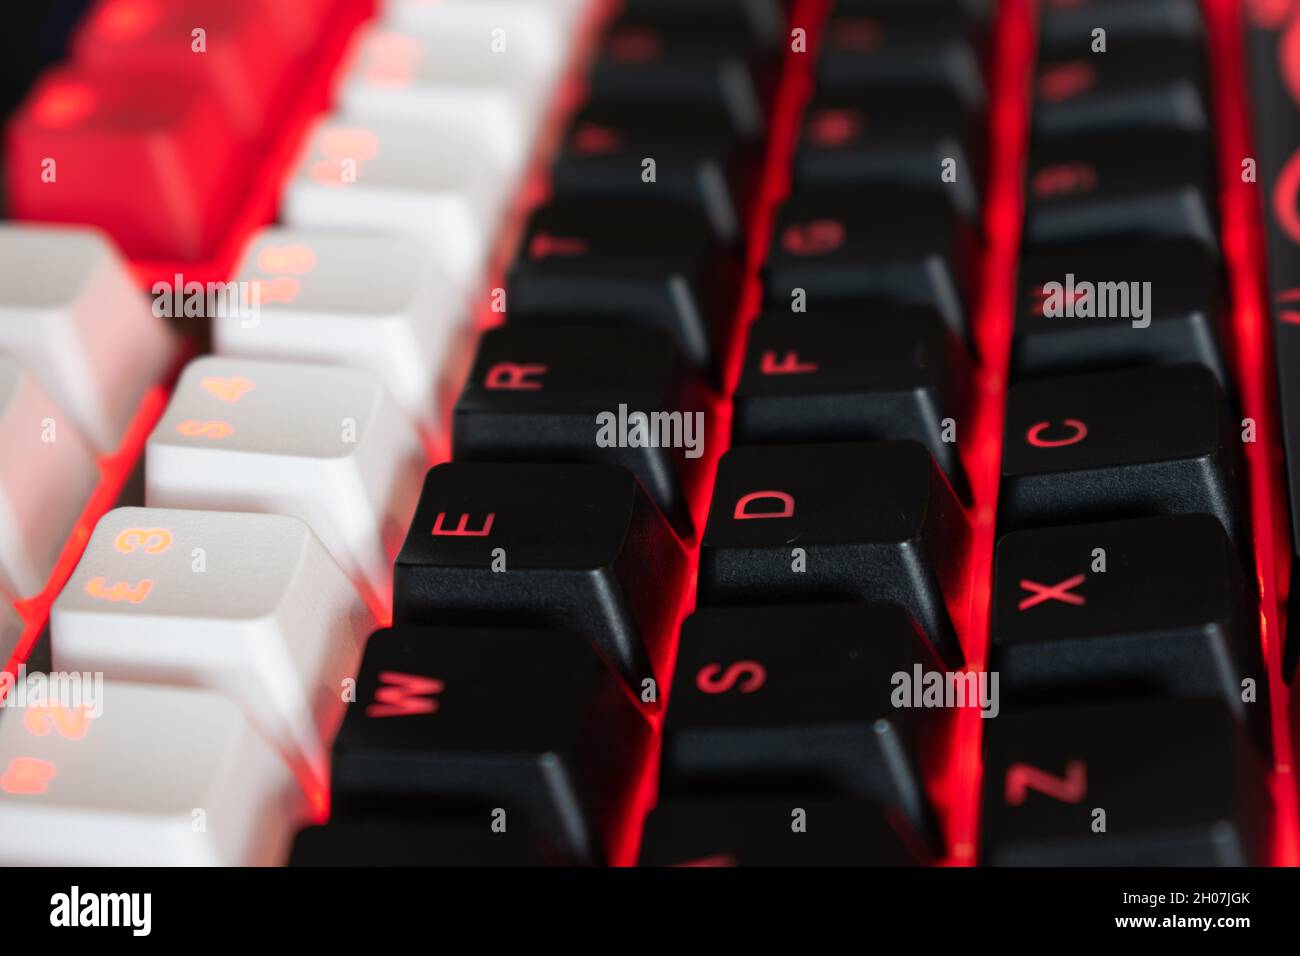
[(405, 695)]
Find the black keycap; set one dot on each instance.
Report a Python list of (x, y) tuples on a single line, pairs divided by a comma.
[(1127, 444), (1087, 307), (760, 20), (1159, 86), (870, 521), (908, 51), (697, 159), (558, 393), (1154, 606), (804, 697), (415, 840), (688, 61), (1129, 185), (854, 373), (1083, 324), (1177, 781), (572, 546), (797, 830), (1066, 26), (481, 721), (892, 243), (975, 13), (872, 137), (648, 263)]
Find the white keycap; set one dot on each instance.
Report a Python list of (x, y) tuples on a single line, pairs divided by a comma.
[(162, 776), (250, 605), (367, 301), (11, 631), (394, 177), (69, 313), (47, 474), (450, 84), (324, 444), (539, 32)]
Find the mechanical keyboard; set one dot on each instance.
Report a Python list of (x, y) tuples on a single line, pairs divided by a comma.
[(663, 433)]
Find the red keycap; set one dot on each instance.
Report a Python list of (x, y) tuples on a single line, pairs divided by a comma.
[(153, 164), (302, 23), (237, 50)]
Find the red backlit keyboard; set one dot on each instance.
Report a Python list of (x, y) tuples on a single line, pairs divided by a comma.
[(650, 432)]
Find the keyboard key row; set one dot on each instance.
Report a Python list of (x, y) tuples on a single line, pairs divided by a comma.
[(839, 510), (1125, 625)]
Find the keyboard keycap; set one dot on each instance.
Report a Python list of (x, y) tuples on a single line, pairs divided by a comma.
[(572, 546), (419, 841), (69, 314), (896, 244), (1126, 186), (132, 156), (46, 476), (389, 177), (1128, 444), (161, 776), (1066, 26), (301, 26), (644, 59), (558, 392), (1177, 781), (1153, 606), (760, 20), (893, 53), (725, 832), (326, 445), (246, 66), (1180, 319), (372, 302), (528, 726), (853, 373), (977, 13), (537, 33), (872, 521), (247, 605), (698, 159), (1156, 86), (752, 709), (443, 81), (646, 263), (875, 137)]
